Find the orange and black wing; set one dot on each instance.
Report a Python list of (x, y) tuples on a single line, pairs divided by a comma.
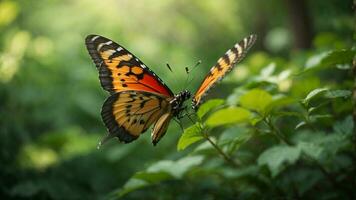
[(222, 67), (120, 70), (127, 114)]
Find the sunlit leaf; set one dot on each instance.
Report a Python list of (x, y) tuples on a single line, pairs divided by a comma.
[(152, 177), (268, 70), (190, 136), (209, 105), (300, 124), (256, 99), (228, 116), (132, 185), (315, 60), (313, 94), (278, 157), (332, 58)]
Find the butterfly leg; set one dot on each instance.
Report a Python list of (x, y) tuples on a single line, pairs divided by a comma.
[(180, 123)]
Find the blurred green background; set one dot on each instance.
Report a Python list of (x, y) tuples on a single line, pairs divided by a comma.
[(50, 96)]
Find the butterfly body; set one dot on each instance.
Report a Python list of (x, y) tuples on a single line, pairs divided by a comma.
[(139, 98)]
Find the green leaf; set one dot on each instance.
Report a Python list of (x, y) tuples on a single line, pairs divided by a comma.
[(176, 168), (256, 99), (344, 127), (315, 61), (232, 138), (132, 185), (332, 58), (228, 116), (343, 56), (190, 136), (160, 171), (280, 102), (314, 118), (313, 94), (278, 157), (311, 149), (337, 93), (300, 124), (152, 177), (235, 134), (207, 106)]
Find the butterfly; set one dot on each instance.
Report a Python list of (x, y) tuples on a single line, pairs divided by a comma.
[(139, 98)]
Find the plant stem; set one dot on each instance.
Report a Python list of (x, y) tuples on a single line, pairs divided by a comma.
[(221, 152), (354, 88), (276, 132)]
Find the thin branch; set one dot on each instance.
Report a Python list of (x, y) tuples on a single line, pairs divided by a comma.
[(221, 152)]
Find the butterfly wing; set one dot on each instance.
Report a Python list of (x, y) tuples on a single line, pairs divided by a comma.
[(160, 127), (120, 70), (128, 114), (222, 67)]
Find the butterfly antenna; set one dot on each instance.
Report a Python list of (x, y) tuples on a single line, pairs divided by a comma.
[(187, 71), (169, 67)]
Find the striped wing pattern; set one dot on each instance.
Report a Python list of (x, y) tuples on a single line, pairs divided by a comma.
[(120, 70), (128, 114), (139, 98), (222, 67)]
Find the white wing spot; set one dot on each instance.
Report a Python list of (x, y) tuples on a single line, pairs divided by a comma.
[(119, 49), (245, 42), (94, 38), (239, 49), (143, 66), (102, 44)]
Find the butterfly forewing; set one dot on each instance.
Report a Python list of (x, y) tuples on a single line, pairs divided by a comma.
[(120, 70), (222, 67), (128, 114)]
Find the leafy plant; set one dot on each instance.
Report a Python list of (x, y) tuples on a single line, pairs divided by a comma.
[(271, 143)]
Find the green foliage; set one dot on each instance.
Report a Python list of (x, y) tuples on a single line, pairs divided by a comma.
[(207, 106), (278, 156), (160, 171), (228, 116), (190, 135), (257, 100), (288, 140)]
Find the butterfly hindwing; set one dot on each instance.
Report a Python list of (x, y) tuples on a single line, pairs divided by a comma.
[(120, 70), (128, 114), (222, 67)]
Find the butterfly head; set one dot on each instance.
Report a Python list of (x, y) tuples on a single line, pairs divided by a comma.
[(178, 101)]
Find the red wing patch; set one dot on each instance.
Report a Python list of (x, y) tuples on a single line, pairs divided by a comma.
[(120, 70)]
